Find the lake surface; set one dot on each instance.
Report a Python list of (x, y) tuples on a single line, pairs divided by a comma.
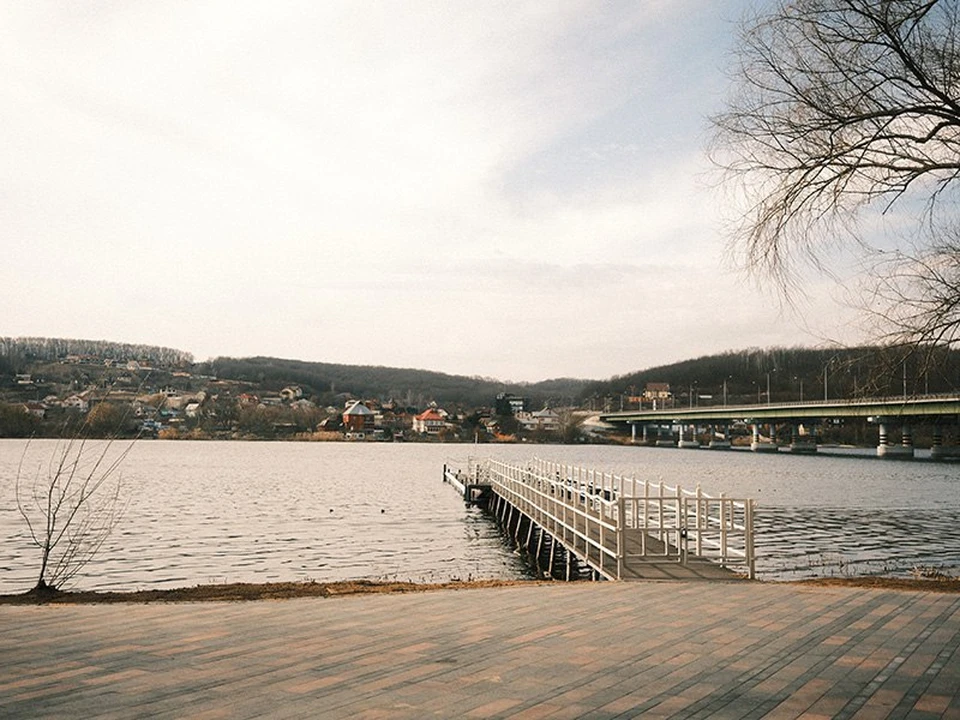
[(204, 512)]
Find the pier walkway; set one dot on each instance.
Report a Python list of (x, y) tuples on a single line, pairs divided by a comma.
[(612, 526), (560, 650)]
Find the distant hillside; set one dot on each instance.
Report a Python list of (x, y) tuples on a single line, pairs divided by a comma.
[(17, 353), (411, 387), (849, 372)]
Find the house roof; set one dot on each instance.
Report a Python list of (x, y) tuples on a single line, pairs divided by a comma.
[(545, 413), (358, 408), (430, 414)]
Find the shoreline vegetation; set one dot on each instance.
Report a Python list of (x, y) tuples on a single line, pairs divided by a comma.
[(240, 592)]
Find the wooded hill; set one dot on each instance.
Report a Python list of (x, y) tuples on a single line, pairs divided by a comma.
[(98, 363), (415, 388), (848, 372)]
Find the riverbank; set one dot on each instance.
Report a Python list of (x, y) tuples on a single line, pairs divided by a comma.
[(248, 591), (239, 592)]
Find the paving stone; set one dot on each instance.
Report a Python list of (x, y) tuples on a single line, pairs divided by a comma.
[(604, 650)]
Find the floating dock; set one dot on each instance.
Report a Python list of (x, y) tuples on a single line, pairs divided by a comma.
[(575, 522)]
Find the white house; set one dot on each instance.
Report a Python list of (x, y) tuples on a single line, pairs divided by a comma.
[(545, 419), (430, 422), (77, 402)]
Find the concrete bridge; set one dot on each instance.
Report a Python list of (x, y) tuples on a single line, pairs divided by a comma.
[(901, 414)]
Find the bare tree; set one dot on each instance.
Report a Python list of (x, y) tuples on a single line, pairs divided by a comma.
[(70, 506), (844, 110)]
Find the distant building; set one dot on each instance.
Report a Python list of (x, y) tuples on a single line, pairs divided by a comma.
[(510, 404), (247, 400), (357, 417), (430, 422), (36, 409), (291, 393), (546, 420), (657, 391), (77, 402)]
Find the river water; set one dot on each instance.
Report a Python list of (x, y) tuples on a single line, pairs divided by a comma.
[(213, 512)]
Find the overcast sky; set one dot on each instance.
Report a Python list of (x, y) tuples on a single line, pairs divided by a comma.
[(509, 189)]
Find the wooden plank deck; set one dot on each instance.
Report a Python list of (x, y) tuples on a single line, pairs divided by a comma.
[(644, 558)]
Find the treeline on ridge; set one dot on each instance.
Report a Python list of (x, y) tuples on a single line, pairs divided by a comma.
[(867, 371), (409, 386), (16, 354)]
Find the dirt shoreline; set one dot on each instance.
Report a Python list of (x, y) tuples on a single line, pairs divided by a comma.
[(239, 592)]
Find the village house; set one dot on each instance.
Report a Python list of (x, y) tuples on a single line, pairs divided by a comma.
[(545, 420), (291, 393), (430, 422), (510, 404), (77, 402), (358, 418), (658, 394), (37, 409), (247, 400)]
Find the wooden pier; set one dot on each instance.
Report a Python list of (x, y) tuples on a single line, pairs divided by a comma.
[(575, 522)]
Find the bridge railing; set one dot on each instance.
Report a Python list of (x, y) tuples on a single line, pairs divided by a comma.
[(596, 513), (586, 523)]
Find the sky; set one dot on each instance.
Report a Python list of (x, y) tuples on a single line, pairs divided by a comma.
[(515, 190)]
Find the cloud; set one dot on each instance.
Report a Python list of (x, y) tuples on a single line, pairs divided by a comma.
[(489, 188)]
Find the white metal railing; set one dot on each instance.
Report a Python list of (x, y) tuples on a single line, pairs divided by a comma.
[(593, 513)]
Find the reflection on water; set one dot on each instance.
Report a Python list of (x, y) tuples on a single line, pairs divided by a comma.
[(205, 512)]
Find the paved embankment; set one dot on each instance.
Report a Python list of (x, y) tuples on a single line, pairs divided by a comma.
[(598, 650)]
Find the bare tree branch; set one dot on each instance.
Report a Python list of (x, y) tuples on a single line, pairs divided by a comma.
[(843, 109), (72, 505)]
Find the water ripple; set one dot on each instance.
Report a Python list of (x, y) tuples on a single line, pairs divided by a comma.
[(252, 512)]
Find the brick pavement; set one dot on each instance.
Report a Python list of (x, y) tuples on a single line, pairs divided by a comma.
[(596, 650)]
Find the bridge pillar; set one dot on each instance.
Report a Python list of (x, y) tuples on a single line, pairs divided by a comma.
[(664, 441), (759, 445), (722, 443), (885, 449), (939, 451), (692, 442), (633, 433), (797, 443)]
